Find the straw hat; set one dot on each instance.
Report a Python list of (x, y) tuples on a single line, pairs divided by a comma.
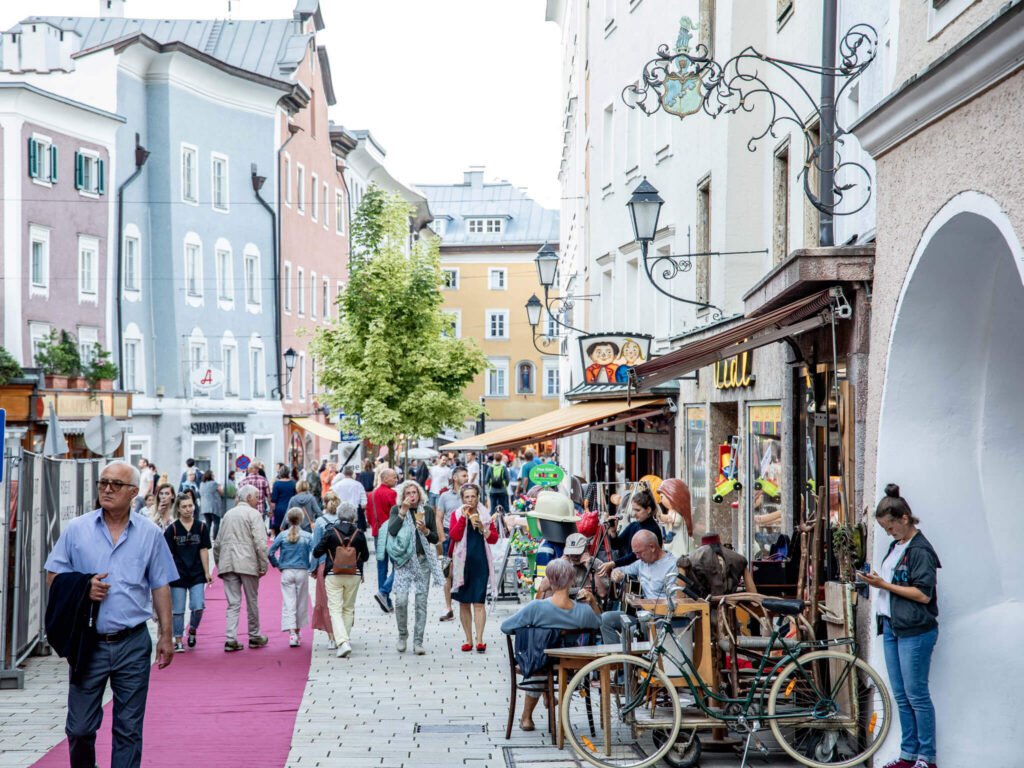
[(554, 506)]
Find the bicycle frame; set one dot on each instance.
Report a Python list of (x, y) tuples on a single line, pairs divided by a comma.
[(702, 694)]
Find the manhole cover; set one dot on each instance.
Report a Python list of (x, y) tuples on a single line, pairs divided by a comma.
[(450, 728)]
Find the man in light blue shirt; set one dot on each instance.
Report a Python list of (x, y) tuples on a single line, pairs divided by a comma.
[(132, 568), (656, 570)]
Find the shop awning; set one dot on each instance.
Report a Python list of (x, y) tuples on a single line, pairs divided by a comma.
[(790, 320), (326, 431), (561, 423)]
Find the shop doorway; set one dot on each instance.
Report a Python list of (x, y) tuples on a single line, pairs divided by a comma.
[(950, 435)]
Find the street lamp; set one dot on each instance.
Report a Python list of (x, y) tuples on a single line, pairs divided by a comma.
[(644, 209), (533, 310), (547, 270), (547, 266), (290, 356)]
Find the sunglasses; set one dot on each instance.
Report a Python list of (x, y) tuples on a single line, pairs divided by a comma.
[(113, 485)]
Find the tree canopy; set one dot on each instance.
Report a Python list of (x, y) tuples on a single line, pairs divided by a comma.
[(389, 358)]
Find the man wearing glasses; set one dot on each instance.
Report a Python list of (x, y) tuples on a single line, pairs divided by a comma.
[(132, 568)]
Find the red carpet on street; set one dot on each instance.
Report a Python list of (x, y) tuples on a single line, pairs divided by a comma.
[(220, 709)]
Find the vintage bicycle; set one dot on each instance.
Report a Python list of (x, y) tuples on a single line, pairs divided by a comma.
[(824, 707)]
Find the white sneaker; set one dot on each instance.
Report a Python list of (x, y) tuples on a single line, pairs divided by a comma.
[(293, 640), (344, 650), (331, 645)]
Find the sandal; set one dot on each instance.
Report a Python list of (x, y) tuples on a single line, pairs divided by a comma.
[(467, 646), (448, 616), (481, 647), (526, 726)]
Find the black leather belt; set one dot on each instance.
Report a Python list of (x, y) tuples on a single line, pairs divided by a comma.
[(121, 634)]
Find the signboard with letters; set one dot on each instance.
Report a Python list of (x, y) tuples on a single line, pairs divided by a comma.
[(206, 378), (607, 358)]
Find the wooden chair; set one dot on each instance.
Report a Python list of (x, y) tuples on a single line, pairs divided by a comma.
[(549, 693)]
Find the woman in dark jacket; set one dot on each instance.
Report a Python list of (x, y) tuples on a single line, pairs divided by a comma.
[(280, 496), (643, 507), (342, 588), (366, 478), (907, 610)]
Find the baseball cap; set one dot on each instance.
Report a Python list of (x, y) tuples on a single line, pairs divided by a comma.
[(576, 544)]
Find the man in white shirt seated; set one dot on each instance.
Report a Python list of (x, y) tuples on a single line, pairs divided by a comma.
[(349, 489), (656, 570)]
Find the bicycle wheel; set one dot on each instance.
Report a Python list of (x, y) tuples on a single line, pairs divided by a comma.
[(835, 710), (608, 715)]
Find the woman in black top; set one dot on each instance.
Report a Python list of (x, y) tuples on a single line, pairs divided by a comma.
[(189, 542), (643, 519), (366, 478)]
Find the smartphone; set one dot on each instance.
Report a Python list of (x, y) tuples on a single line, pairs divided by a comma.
[(866, 568)]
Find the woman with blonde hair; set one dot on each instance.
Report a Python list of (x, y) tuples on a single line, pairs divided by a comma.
[(163, 512), (296, 548), (411, 536), (321, 609)]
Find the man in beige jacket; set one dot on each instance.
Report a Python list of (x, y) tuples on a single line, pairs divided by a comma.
[(241, 555)]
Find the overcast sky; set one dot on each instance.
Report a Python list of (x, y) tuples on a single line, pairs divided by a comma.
[(442, 84)]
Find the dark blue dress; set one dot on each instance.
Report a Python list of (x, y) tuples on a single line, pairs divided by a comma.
[(474, 587)]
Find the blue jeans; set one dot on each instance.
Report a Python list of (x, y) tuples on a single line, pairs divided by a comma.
[(126, 665), (499, 500), (196, 602), (384, 579), (908, 660)]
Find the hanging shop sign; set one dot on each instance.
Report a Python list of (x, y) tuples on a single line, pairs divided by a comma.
[(215, 427), (83, 405), (547, 475), (608, 358), (735, 372), (206, 378)]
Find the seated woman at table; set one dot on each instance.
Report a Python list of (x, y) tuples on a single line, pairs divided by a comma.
[(556, 612)]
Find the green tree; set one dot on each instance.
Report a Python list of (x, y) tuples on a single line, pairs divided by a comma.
[(389, 357)]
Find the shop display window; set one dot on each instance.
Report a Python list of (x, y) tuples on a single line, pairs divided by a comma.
[(696, 465), (769, 524)]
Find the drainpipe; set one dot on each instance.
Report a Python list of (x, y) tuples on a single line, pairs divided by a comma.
[(826, 174), (141, 154), (257, 184)]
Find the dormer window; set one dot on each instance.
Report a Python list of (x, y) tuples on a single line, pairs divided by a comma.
[(481, 225)]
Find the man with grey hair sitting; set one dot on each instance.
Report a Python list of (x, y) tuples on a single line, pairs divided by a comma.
[(656, 570), (241, 555), (556, 612)]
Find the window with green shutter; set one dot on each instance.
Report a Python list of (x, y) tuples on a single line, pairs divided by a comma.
[(53, 163), (33, 159), (79, 170)]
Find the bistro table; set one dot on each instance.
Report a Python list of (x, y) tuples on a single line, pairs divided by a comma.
[(574, 659)]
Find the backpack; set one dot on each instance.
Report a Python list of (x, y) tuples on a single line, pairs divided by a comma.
[(499, 477), (345, 559)]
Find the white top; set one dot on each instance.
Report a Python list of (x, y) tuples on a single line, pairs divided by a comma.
[(439, 477), (349, 489), (473, 468), (654, 577), (145, 483), (882, 602)]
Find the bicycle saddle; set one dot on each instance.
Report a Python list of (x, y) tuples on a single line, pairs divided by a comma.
[(783, 607)]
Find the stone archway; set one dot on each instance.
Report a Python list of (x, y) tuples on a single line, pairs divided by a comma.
[(951, 433)]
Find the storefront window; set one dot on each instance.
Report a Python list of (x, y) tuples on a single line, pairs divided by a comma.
[(769, 524), (696, 466)]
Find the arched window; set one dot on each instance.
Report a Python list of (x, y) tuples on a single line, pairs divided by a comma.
[(525, 378)]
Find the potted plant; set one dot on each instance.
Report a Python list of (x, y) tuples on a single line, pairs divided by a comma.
[(58, 357), (9, 368), (100, 372)]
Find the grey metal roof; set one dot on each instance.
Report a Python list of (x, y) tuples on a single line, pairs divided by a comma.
[(16, 86), (526, 221), (272, 48)]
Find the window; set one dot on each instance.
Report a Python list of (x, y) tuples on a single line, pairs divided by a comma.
[(197, 356), (497, 279), (326, 203), (300, 185), (497, 324), (634, 132), (450, 279), (490, 226), (440, 226), (189, 175), (765, 489), (811, 214), (132, 260), (88, 339), (39, 261), (302, 375), (608, 155), (313, 284), (287, 172), (38, 333), (780, 205), (552, 326), (327, 300), (219, 182), (552, 379), (130, 364), (90, 173), (257, 370), (314, 199), (497, 378), (193, 269), (252, 277), (300, 291), (229, 362), (339, 212), (703, 240), (454, 326), (225, 277), (287, 287), (88, 266), (524, 378), (42, 160)]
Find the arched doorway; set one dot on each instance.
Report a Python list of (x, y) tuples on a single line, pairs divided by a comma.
[(951, 433)]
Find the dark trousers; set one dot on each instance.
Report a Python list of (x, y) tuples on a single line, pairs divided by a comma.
[(213, 523), (499, 500), (361, 521), (126, 665)]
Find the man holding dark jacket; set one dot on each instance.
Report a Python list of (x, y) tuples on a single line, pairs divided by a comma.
[(131, 568)]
